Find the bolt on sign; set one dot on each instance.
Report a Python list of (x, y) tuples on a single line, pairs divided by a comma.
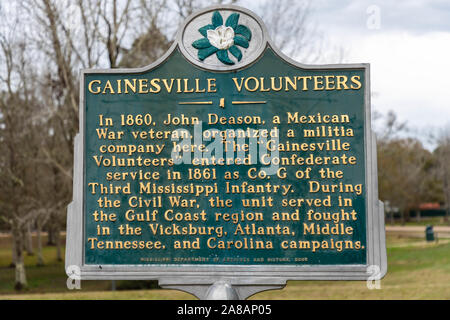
[(226, 168)]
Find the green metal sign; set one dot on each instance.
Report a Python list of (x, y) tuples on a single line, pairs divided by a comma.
[(225, 155), (310, 211)]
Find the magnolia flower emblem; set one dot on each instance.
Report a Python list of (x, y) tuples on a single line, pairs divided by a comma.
[(220, 39)]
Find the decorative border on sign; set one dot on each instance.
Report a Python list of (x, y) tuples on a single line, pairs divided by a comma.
[(222, 39), (233, 38)]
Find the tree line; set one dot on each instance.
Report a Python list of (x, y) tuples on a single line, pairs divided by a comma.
[(409, 174)]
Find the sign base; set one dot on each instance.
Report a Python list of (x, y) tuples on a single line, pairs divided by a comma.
[(222, 290)]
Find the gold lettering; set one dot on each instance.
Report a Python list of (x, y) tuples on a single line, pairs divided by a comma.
[(329, 83), (97, 90), (197, 87), (318, 83), (156, 87), (186, 90), (143, 85), (129, 85), (109, 87), (255, 88), (342, 81), (211, 85), (356, 80), (238, 86)]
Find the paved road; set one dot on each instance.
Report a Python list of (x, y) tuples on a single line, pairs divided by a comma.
[(441, 232), (444, 229)]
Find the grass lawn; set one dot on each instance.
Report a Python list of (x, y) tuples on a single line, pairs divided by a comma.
[(416, 270)]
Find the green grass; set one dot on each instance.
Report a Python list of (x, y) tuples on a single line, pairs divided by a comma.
[(41, 279), (416, 270)]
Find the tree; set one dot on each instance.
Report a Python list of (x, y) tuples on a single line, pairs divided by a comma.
[(43, 45), (405, 167), (16, 149), (442, 153)]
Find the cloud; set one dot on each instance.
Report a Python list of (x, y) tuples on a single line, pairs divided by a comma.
[(408, 54), (415, 16), (409, 74)]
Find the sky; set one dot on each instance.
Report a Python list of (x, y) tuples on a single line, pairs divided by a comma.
[(406, 42)]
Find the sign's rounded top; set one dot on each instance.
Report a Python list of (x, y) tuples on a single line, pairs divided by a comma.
[(222, 38)]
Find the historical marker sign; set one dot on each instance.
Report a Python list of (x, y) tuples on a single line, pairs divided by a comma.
[(226, 161)]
